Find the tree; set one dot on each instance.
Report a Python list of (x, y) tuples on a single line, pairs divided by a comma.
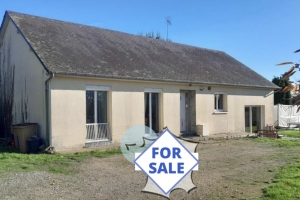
[(279, 97), (151, 34), (285, 77)]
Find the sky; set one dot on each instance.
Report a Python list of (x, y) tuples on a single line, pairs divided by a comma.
[(258, 33)]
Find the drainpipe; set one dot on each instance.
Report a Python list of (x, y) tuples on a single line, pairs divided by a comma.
[(48, 110)]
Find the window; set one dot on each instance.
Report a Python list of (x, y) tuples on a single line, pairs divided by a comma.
[(220, 102), (96, 104), (97, 125), (96, 107)]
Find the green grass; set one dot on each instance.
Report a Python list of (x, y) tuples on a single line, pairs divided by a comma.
[(289, 133), (279, 142), (286, 184), (12, 161), (247, 129)]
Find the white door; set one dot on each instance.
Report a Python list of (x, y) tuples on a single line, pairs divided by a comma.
[(182, 112)]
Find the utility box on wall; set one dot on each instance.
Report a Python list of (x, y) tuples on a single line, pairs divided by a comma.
[(202, 129)]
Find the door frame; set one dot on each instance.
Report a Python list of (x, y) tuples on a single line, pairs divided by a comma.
[(182, 112), (189, 110)]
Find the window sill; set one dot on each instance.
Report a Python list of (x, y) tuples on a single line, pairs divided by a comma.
[(220, 112)]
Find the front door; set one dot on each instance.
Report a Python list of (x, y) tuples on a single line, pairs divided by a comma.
[(182, 112)]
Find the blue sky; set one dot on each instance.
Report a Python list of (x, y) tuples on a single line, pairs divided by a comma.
[(258, 33)]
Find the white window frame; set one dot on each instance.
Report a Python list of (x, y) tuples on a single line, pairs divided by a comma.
[(223, 110), (96, 88), (153, 90), (150, 91), (250, 116)]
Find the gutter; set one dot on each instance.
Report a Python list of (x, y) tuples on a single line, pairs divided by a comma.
[(48, 109), (157, 80), (275, 91)]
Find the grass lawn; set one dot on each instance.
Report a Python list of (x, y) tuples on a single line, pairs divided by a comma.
[(280, 142), (286, 183), (247, 129), (289, 133), (13, 161)]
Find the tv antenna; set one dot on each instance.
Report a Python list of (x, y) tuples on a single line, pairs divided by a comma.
[(168, 20)]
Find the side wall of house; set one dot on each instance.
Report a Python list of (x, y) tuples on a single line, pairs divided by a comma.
[(236, 101), (126, 107), (29, 79)]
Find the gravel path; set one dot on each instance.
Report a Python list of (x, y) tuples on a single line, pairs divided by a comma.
[(228, 169)]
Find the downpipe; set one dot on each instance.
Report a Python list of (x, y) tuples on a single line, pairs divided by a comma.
[(48, 110)]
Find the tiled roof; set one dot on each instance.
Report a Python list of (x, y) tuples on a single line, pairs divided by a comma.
[(66, 47)]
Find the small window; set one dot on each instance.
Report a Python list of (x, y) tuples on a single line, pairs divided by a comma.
[(220, 102)]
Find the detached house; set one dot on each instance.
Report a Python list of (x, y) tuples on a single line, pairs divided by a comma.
[(85, 85)]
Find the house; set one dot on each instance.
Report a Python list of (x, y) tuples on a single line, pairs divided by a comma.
[(75, 80)]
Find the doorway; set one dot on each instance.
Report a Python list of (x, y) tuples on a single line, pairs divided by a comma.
[(253, 119), (187, 111)]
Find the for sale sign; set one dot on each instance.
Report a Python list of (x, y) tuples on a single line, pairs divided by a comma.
[(166, 161)]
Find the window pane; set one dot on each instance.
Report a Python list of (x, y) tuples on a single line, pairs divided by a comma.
[(102, 107), (147, 120), (216, 102), (247, 120), (255, 119), (220, 102), (155, 112), (90, 117)]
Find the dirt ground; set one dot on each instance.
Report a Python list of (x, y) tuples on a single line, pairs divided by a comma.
[(229, 169)]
